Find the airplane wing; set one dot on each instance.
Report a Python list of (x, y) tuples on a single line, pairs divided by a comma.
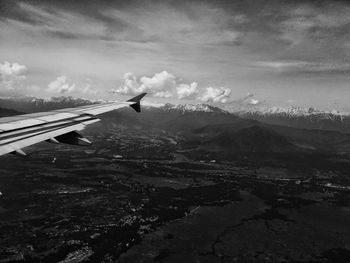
[(55, 126)]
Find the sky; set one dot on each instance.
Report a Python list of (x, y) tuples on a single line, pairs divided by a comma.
[(251, 52)]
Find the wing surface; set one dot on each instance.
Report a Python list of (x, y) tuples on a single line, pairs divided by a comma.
[(57, 126)]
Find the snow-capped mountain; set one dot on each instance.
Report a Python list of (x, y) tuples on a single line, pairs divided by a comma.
[(298, 117), (309, 118), (292, 111), (33, 104), (192, 108), (200, 107)]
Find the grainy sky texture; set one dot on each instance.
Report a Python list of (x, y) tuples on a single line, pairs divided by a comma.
[(279, 52)]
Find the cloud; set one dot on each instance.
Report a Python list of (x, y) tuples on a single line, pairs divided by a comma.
[(163, 94), (166, 85), (253, 102), (163, 85), (56, 22), (215, 95), (61, 85), (12, 77), (13, 82), (160, 85), (88, 90), (185, 91), (130, 85), (243, 99), (64, 85), (282, 65), (162, 81), (306, 66), (196, 23), (248, 99), (315, 22), (189, 24)]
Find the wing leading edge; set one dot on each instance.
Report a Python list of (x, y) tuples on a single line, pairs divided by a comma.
[(54, 126)]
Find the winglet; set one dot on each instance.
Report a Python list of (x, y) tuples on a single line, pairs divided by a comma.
[(136, 106), (19, 152)]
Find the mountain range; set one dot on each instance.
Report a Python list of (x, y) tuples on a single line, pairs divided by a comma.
[(204, 130), (33, 104), (304, 118)]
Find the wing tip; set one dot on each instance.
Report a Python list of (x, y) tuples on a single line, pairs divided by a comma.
[(137, 98), (137, 106)]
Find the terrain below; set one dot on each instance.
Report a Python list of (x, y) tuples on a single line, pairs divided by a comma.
[(135, 196)]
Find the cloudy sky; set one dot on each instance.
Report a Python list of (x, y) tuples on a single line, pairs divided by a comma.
[(250, 51)]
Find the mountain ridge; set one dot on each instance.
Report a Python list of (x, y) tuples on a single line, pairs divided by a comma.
[(298, 117)]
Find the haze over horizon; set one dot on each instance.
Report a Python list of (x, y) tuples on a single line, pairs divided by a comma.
[(276, 52)]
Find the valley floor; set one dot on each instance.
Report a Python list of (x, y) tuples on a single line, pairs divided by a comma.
[(148, 202)]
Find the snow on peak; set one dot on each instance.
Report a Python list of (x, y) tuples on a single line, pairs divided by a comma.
[(297, 111), (193, 107)]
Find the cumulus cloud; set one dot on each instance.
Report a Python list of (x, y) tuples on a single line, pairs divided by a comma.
[(61, 85), (187, 91), (12, 76), (13, 82), (163, 94), (163, 85), (64, 85), (129, 85), (88, 90), (215, 95), (160, 85), (166, 85)]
